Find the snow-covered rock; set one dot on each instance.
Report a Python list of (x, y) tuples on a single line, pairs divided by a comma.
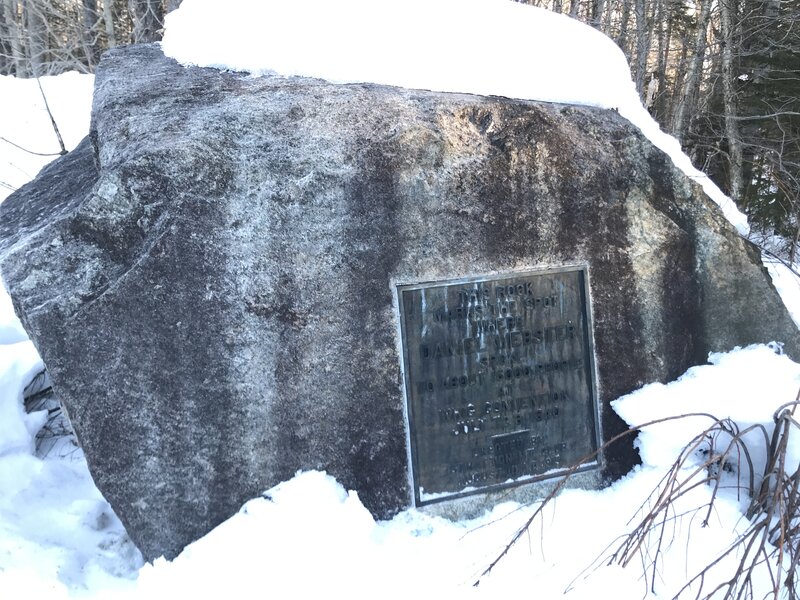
[(486, 47), (215, 303)]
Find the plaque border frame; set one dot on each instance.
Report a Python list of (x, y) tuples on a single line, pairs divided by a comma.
[(596, 464)]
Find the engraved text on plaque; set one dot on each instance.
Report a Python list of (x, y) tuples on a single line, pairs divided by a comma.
[(499, 380)]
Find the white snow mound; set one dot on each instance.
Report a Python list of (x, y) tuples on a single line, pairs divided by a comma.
[(486, 47)]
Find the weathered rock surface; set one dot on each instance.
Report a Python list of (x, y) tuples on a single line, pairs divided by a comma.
[(210, 279)]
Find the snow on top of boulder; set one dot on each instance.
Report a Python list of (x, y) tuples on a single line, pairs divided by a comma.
[(490, 47), (485, 47)]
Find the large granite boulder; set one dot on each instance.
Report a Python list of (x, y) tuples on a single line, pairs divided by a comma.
[(210, 278)]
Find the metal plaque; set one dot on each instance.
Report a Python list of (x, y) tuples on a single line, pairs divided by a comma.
[(499, 380)]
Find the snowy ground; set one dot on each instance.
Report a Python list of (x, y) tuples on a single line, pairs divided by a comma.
[(25, 126), (308, 536)]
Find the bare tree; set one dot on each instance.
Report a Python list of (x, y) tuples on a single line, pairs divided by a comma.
[(108, 21), (692, 83), (622, 36), (37, 42), (643, 43), (663, 25), (89, 31), (596, 20), (727, 19), (148, 20), (13, 31), (46, 37)]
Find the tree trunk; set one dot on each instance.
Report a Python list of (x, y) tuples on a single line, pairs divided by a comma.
[(597, 13), (795, 212), (5, 48), (664, 39), (686, 105), (6, 64), (607, 19), (680, 78), (36, 27), (622, 39), (11, 14), (147, 18), (795, 240), (89, 32), (642, 45), (108, 19), (735, 158)]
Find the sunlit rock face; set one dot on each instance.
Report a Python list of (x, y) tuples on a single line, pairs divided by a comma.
[(211, 277)]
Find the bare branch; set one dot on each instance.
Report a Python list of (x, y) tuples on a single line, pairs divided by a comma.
[(30, 151), (52, 119)]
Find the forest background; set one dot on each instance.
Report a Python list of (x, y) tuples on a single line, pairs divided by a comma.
[(722, 76)]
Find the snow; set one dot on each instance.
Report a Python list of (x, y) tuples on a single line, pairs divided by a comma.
[(486, 47), (787, 283), (729, 389), (309, 536), (70, 99), (57, 533), (21, 363)]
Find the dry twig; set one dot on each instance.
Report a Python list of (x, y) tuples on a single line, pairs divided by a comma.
[(771, 542)]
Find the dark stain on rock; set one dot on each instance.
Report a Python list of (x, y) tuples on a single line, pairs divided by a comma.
[(216, 267)]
